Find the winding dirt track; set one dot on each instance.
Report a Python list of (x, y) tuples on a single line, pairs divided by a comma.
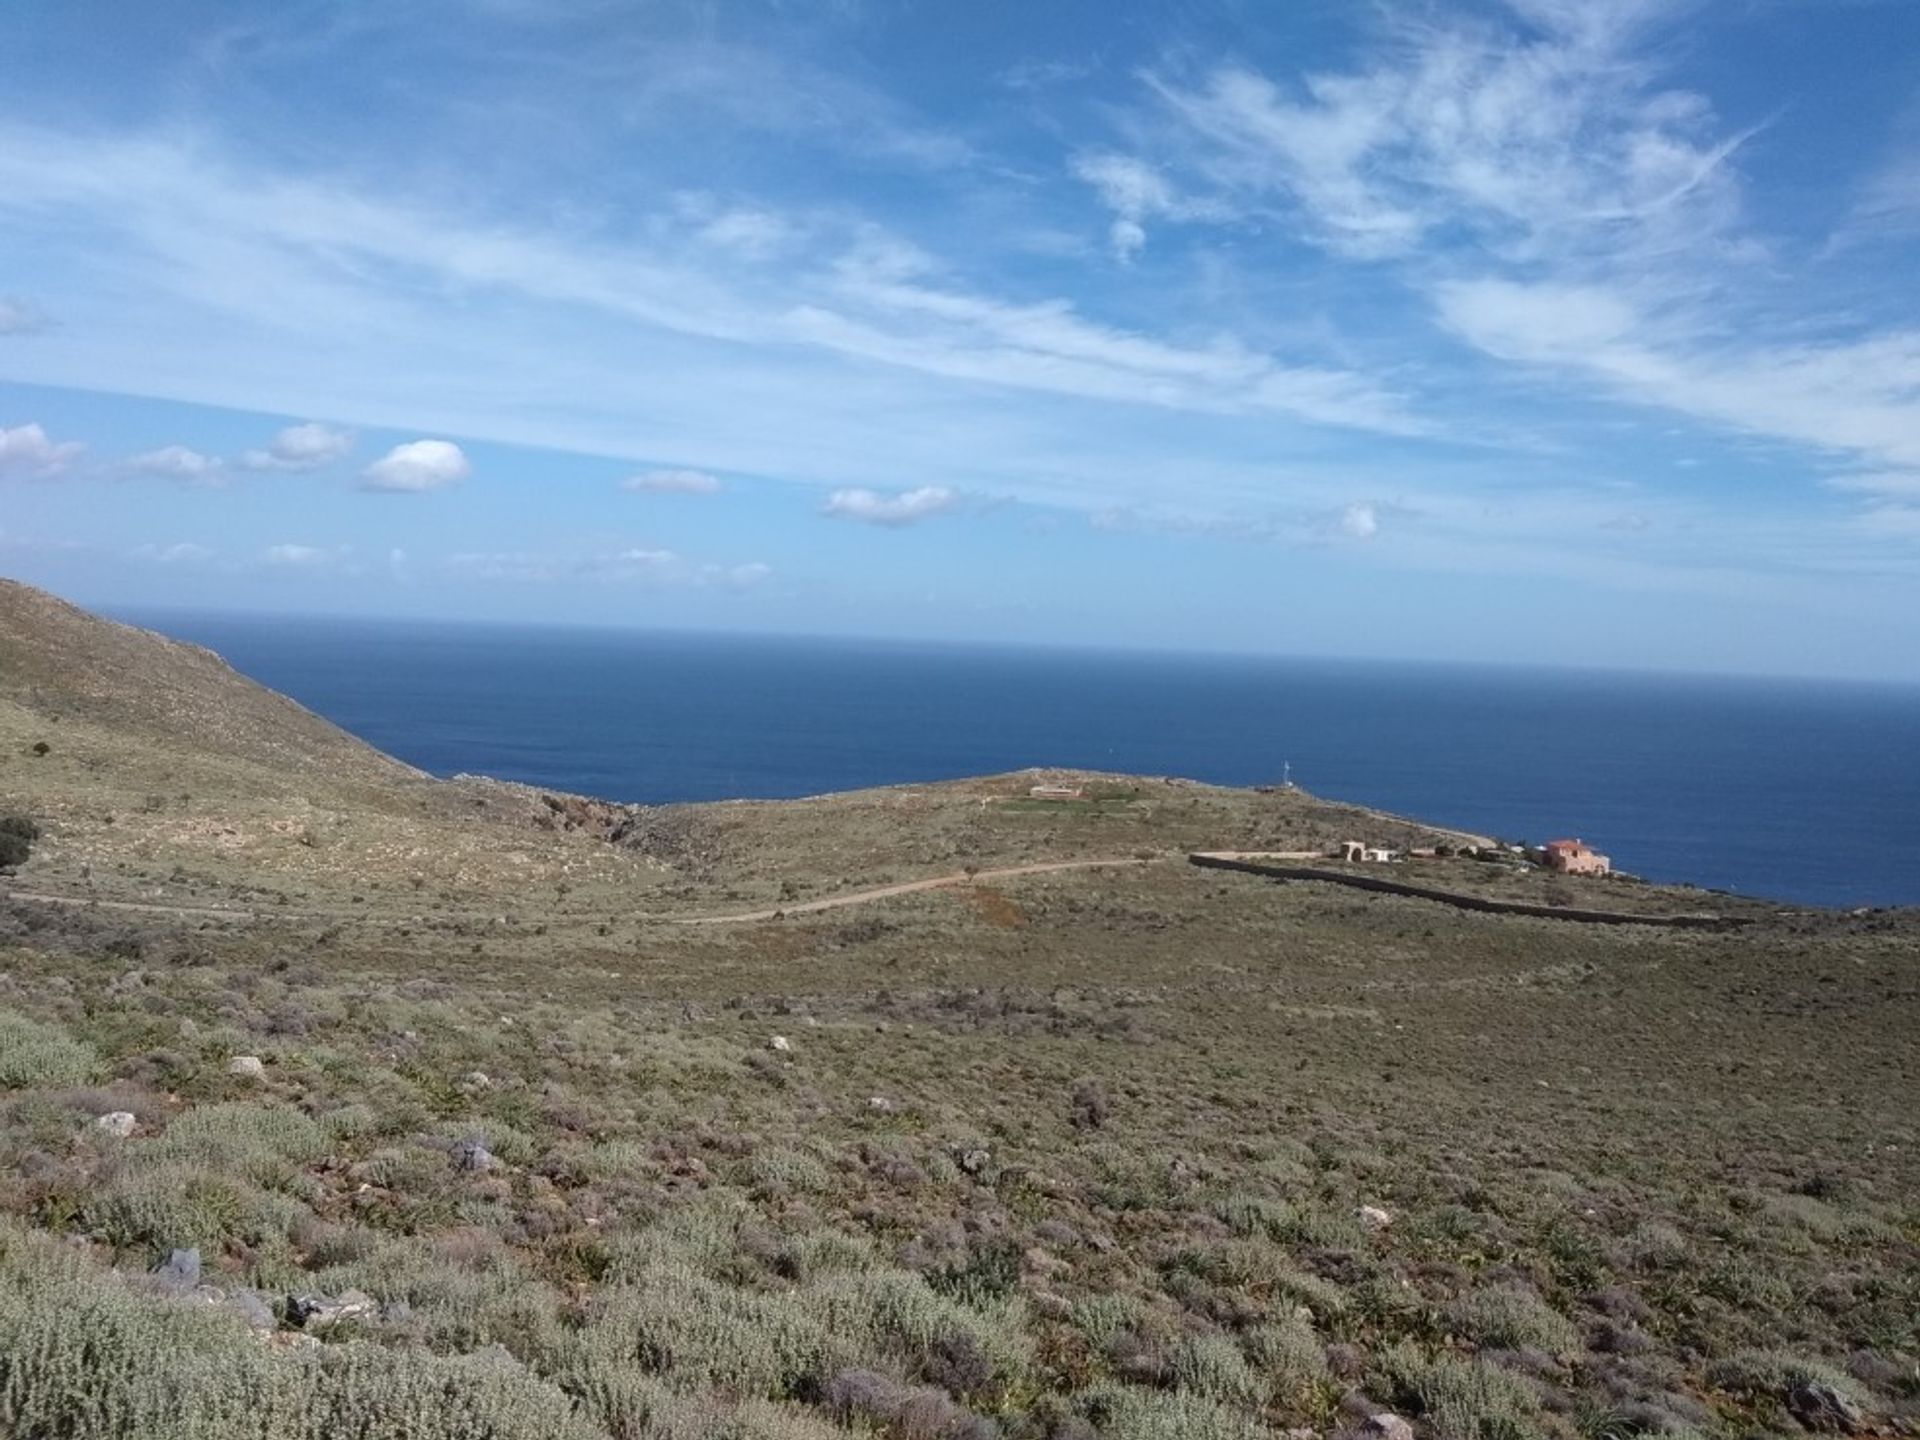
[(909, 887), (744, 917)]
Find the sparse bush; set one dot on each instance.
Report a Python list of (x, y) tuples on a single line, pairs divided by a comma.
[(1212, 1365), (262, 1142), (33, 1053), (1655, 1245), (776, 1170), (1256, 1216), (1290, 1357), (1500, 1317), (893, 1314), (1776, 1375), (1101, 1318), (700, 1334), (1124, 1413), (1460, 1399), (17, 834), (1091, 1105), (82, 1357)]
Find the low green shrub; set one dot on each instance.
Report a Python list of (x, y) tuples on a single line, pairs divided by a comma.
[(261, 1142), (1500, 1317), (1776, 1374), (701, 1334), (34, 1053), (83, 1357), (1212, 1365), (1289, 1357), (1459, 1399), (1124, 1413)]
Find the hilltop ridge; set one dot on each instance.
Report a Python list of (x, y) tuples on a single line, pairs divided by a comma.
[(65, 665)]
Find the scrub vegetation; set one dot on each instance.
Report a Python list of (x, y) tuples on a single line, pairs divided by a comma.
[(1136, 1152)]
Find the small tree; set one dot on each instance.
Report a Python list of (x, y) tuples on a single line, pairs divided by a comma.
[(17, 834)]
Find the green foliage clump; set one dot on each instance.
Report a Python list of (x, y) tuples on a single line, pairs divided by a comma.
[(778, 1170), (1290, 1357), (1212, 1365), (895, 1315), (1459, 1399), (35, 1053), (82, 1357), (1256, 1215), (1499, 1317), (1124, 1413), (701, 1334), (1106, 1316), (17, 834), (262, 1142), (1776, 1374)]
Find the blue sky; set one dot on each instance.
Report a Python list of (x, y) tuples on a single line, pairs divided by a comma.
[(1577, 331)]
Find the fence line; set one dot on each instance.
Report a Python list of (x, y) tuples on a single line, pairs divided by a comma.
[(1212, 861)]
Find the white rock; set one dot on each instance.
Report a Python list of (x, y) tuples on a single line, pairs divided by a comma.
[(780, 1043), (247, 1067), (117, 1123), (880, 1103), (1374, 1218), (1387, 1426)]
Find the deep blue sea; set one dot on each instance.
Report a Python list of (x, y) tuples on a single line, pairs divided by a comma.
[(1806, 791)]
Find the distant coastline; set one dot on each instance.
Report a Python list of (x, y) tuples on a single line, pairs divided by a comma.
[(1798, 791)]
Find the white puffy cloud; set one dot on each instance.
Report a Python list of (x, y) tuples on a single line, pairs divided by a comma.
[(301, 447), (1359, 522), (745, 577), (417, 465), (673, 482), (27, 450), (177, 462), (20, 317), (874, 508)]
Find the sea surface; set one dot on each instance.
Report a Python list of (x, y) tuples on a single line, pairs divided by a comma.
[(1804, 791)]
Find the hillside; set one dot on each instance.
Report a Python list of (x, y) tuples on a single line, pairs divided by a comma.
[(65, 667), (338, 1100)]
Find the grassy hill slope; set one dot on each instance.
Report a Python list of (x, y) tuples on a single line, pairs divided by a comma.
[(440, 1122)]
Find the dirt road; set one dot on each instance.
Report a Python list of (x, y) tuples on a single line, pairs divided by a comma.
[(908, 887), (799, 907)]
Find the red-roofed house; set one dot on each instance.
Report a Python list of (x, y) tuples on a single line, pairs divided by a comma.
[(1573, 857)]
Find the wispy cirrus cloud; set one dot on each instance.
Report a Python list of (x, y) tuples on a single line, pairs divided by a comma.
[(672, 482), (1136, 191), (329, 253), (19, 316), (1549, 139), (1610, 242), (182, 552), (647, 566)]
